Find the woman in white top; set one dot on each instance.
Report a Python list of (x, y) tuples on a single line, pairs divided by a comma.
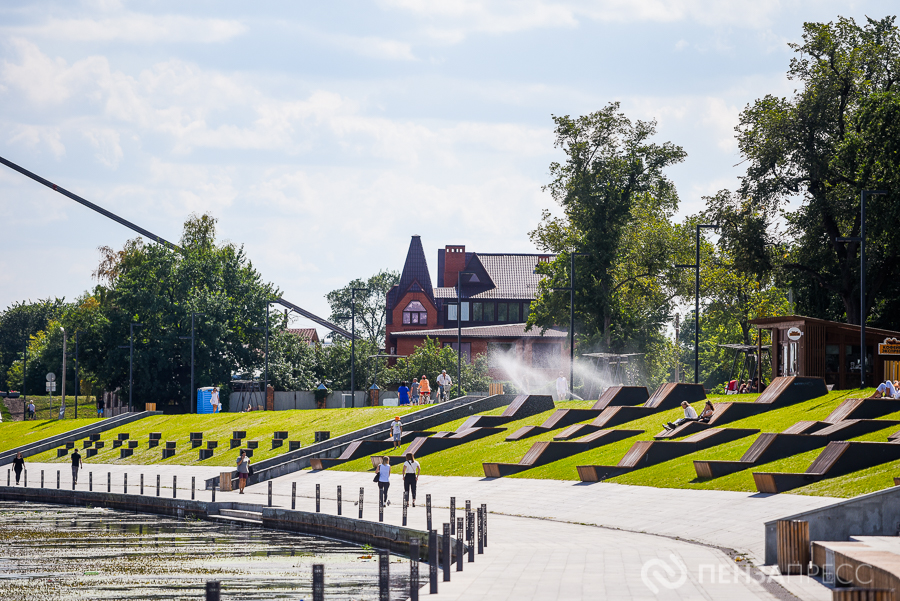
[(384, 479), (411, 470), (243, 468)]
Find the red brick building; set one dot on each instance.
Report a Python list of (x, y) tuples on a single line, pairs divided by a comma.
[(495, 292)]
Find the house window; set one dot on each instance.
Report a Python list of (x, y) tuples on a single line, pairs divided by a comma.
[(514, 312), (477, 311), (451, 312), (465, 311), (488, 312), (545, 355), (502, 313), (415, 314), (466, 349)]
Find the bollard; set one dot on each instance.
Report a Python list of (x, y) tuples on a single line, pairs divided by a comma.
[(90, 481), (380, 507), (42, 478), (384, 576), (459, 545), (142, 483), (57, 479), (108, 481), (446, 551), (157, 485), (293, 495), (319, 499), (470, 531), (480, 524), (213, 590), (414, 569), (9, 478), (125, 485), (339, 499), (26, 479), (453, 515), (432, 562), (270, 493), (405, 504), (484, 523), (214, 492), (73, 483), (360, 502), (318, 582), (193, 486), (174, 486), (428, 512)]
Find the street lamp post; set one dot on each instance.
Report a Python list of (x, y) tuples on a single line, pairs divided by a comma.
[(193, 392), (862, 278), (130, 347), (353, 292), (571, 289), (62, 406), (77, 382), (696, 268), (24, 377), (459, 331)]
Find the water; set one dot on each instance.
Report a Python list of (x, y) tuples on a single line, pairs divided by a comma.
[(52, 552)]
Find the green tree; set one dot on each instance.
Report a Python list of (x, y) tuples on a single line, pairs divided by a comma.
[(836, 136), (370, 305), (292, 362), (18, 323), (430, 359), (611, 181)]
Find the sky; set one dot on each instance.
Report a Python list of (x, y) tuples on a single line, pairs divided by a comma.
[(323, 135)]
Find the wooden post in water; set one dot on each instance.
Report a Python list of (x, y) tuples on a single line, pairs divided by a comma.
[(432, 562), (318, 582), (414, 570), (384, 576)]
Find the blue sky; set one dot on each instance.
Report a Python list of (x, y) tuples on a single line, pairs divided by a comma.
[(323, 135)]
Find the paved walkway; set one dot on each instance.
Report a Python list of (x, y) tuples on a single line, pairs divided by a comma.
[(547, 539)]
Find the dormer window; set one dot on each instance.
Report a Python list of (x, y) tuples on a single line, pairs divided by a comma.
[(415, 314)]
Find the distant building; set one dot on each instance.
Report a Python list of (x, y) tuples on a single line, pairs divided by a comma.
[(496, 291), (308, 335)]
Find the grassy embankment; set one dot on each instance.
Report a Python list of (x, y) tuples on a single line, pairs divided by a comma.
[(14, 434), (259, 425), (466, 460), (47, 407)]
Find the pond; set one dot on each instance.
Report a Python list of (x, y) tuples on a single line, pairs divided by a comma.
[(55, 552)]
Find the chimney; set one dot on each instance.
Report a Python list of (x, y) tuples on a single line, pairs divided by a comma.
[(454, 262)]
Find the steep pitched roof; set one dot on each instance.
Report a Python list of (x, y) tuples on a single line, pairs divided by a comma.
[(308, 335), (415, 276), (513, 277), (510, 330)]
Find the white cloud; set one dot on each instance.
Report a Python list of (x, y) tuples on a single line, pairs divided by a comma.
[(135, 28), (106, 142), (37, 137)]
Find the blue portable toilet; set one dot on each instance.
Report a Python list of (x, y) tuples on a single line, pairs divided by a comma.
[(204, 398)]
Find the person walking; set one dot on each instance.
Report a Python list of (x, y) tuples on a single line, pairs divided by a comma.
[(414, 392), (396, 432), (18, 466), (411, 471), (214, 400), (424, 390), (403, 394), (384, 480), (243, 468), (444, 383), (76, 465), (31, 410)]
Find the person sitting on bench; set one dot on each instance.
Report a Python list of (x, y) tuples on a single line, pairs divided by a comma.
[(690, 415), (887, 389), (707, 412)]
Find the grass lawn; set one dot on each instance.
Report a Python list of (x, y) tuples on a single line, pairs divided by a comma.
[(14, 434), (259, 425), (46, 407)]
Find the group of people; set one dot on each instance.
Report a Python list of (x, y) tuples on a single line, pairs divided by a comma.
[(410, 470), (741, 387), (419, 391)]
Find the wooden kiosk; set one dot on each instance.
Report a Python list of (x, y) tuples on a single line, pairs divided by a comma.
[(805, 346)]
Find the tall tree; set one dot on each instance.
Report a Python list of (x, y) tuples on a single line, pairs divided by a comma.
[(611, 181), (836, 136), (18, 323), (370, 304)]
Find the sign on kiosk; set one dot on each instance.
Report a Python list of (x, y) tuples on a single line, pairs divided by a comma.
[(890, 346)]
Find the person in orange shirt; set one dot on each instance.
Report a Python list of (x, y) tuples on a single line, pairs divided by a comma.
[(424, 389)]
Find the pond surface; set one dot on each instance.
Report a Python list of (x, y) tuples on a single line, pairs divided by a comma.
[(56, 552)]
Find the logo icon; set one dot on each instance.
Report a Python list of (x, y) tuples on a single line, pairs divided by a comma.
[(657, 571)]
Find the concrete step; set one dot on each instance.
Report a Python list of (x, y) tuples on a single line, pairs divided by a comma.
[(252, 516)]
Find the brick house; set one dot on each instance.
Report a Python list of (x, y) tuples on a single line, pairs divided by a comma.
[(495, 293)]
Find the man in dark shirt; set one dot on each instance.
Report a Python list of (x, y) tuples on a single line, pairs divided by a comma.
[(76, 464)]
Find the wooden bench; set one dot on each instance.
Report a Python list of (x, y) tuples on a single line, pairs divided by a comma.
[(90, 452), (294, 445), (124, 452), (166, 453), (205, 454)]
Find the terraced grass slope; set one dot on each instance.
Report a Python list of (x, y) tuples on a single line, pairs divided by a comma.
[(260, 426), (14, 434)]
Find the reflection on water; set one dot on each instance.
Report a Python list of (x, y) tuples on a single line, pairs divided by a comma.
[(53, 552)]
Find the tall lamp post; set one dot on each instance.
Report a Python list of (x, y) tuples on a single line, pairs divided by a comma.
[(571, 289), (62, 407), (353, 292), (24, 377), (193, 393), (862, 278), (77, 382), (130, 347), (459, 331), (696, 268)]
